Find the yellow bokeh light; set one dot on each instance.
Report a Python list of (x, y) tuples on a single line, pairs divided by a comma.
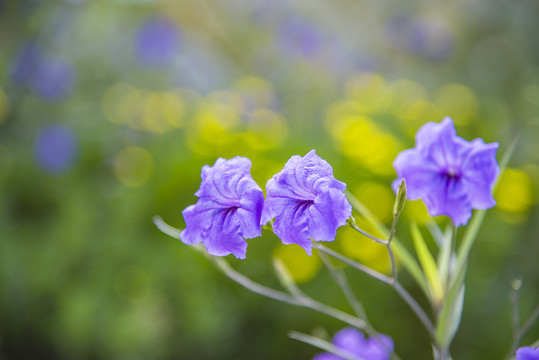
[(4, 106), (514, 193), (370, 91), (162, 112), (370, 145), (133, 166), (122, 104), (301, 266), (266, 130), (416, 211), (459, 102), (405, 95), (378, 198), (255, 93)]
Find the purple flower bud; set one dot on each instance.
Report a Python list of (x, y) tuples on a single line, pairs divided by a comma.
[(228, 209), (353, 342), (157, 42), (451, 175), (55, 148), (306, 202), (528, 353)]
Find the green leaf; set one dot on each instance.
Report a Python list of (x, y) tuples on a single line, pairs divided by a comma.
[(444, 257), (449, 318), (427, 263)]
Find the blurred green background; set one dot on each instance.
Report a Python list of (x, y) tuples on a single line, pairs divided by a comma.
[(109, 108)]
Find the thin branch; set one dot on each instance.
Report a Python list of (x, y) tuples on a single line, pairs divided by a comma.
[(255, 287), (288, 282), (340, 278), (415, 307), (533, 318), (375, 274), (322, 344), (364, 233), (386, 280)]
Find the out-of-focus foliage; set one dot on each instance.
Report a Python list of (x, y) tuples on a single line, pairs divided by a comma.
[(109, 108)]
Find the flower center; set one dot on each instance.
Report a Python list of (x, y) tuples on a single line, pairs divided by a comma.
[(451, 174)]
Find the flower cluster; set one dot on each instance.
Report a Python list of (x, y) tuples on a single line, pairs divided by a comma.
[(352, 342), (304, 198)]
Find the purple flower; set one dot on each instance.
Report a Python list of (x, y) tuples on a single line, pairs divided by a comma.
[(299, 37), (55, 148), (306, 202), (451, 175), (228, 209), (157, 42), (353, 342), (528, 353), (53, 78)]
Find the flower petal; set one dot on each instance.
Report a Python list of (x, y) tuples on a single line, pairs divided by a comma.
[(447, 196), (198, 223), (527, 353), (479, 172), (326, 356), (417, 170), (329, 211), (291, 225), (224, 236)]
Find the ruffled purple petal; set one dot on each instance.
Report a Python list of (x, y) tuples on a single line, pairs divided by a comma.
[(480, 171), (354, 342), (198, 222), (224, 236), (418, 172), (219, 182), (250, 211), (329, 211), (350, 339), (528, 353), (378, 348), (291, 225), (447, 196)]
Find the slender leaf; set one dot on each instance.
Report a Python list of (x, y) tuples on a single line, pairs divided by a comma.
[(427, 262), (447, 320), (444, 257)]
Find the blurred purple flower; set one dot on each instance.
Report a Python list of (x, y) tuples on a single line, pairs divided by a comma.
[(354, 343), (228, 209), (50, 78), (299, 37), (157, 42), (53, 78), (306, 202), (431, 38), (528, 353), (25, 63), (55, 148), (450, 174)]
